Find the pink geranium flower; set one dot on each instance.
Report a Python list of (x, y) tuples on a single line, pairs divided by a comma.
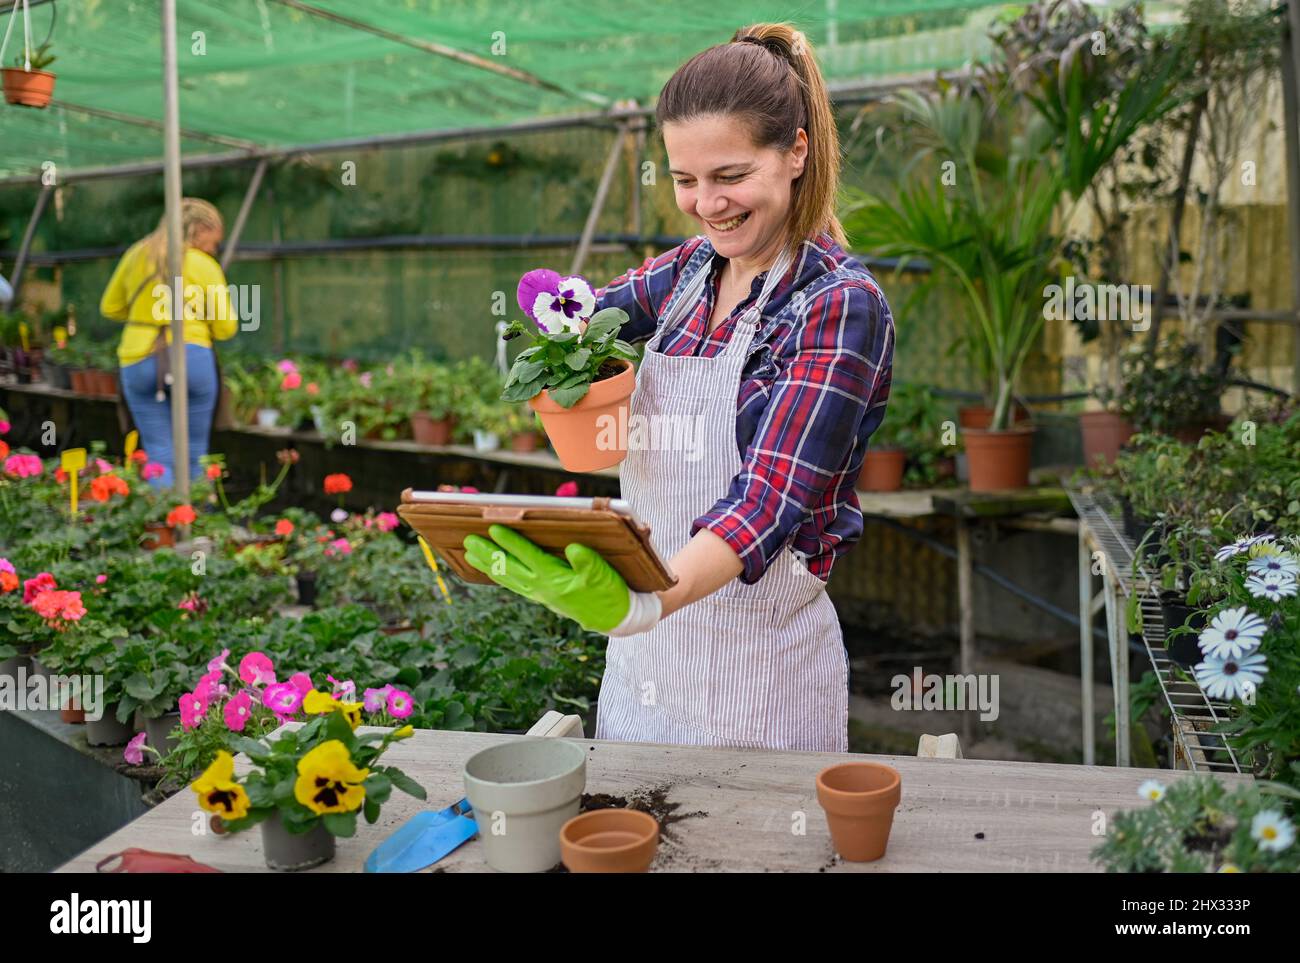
[(238, 711), (152, 470), (23, 466), (256, 669), (33, 587), (387, 521), (286, 366), (100, 579), (291, 381)]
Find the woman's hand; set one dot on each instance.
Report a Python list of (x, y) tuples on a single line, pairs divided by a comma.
[(588, 589)]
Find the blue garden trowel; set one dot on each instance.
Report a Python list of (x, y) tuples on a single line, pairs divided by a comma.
[(423, 840)]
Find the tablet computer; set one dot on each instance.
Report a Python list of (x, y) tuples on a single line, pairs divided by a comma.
[(607, 525)]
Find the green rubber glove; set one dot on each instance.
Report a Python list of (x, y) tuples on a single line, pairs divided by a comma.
[(588, 589)]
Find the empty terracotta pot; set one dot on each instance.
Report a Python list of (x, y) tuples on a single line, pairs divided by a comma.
[(1104, 433), (593, 433), (859, 799), (609, 841), (882, 470)]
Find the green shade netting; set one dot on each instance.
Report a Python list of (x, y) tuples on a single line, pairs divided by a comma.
[(267, 75)]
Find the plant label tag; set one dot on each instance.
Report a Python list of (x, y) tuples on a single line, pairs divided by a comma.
[(72, 461)]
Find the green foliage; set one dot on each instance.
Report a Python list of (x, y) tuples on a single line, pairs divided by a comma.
[(566, 364)]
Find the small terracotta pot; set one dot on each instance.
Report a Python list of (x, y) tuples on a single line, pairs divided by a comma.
[(1104, 433), (998, 460), (525, 441), (29, 88), (106, 384), (163, 536), (1191, 434), (79, 379), (72, 716), (859, 799), (882, 470), (609, 841), (432, 431), (592, 434)]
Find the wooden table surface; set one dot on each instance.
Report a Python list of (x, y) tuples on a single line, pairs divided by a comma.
[(955, 815)]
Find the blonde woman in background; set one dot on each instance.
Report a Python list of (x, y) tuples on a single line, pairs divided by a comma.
[(137, 295)]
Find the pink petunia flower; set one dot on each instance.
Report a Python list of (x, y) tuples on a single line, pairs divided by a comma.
[(376, 699), (343, 689), (193, 706), (282, 698), (302, 682), (256, 669), (217, 663), (134, 751), (400, 704), (238, 711), (568, 490), (4, 427), (387, 521), (101, 578), (102, 466)]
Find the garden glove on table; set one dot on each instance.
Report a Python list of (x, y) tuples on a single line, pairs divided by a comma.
[(587, 589)]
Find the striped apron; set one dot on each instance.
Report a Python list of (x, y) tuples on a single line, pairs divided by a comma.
[(759, 665)]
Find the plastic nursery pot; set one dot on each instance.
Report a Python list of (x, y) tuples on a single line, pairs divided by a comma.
[(998, 460), (609, 841), (525, 441), (593, 433), (306, 582), (1104, 434), (158, 729), (859, 799), (523, 792), (28, 88), (107, 731), (486, 440), (287, 852), (10, 667), (882, 470), (158, 535), (1175, 612), (427, 430)]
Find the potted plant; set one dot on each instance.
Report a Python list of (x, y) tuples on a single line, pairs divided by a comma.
[(434, 419), (521, 427), (27, 82), (1172, 391), (306, 787), (577, 375)]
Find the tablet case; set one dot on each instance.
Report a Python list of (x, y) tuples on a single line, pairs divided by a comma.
[(620, 540)]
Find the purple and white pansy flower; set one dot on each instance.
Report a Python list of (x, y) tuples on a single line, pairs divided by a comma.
[(556, 304)]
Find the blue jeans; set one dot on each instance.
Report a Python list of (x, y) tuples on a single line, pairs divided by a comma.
[(154, 418)]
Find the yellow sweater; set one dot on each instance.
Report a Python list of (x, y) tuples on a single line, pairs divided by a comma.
[(209, 311)]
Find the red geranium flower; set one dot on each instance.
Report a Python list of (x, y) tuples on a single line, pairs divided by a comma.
[(284, 527), (214, 472), (181, 515), (337, 484)]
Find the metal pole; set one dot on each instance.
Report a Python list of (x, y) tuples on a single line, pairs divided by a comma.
[(1291, 127), (25, 247), (606, 177), (236, 229), (175, 252)]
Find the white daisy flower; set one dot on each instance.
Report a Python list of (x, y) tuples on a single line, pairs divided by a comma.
[(1229, 868), (1231, 678), (1259, 539), (1232, 632), (1272, 587), (1235, 548), (1151, 789), (567, 308), (1274, 562), (1263, 546), (1272, 830)]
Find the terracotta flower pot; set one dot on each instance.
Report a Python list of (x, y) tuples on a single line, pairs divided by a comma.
[(106, 384), (163, 536), (609, 841), (29, 88), (859, 799), (998, 460), (432, 431), (288, 852), (979, 416), (1191, 434), (1104, 433), (79, 378), (525, 441), (588, 437), (72, 715), (882, 470)]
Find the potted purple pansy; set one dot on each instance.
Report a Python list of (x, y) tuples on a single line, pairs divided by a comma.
[(577, 375)]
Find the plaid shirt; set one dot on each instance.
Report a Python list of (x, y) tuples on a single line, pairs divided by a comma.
[(814, 388)]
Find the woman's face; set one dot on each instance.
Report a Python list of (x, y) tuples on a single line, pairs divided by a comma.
[(206, 239), (719, 175)]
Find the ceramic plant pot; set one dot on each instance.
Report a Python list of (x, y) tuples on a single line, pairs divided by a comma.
[(591, 435), (28, 88), (486, 440), (1104, 434), (107, 731), (859, 799), (158, 729), (523, 792), (882, 470), (609, 841), (431, 431), (268, 417), (287, 852), (998, 460)]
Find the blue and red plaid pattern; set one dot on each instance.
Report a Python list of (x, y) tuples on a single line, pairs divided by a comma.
[(814, 388)]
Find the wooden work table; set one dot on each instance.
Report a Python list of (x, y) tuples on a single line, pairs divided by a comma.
[(955, 815)]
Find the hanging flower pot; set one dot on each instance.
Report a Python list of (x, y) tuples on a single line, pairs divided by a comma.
[(592, 434), (998, 460), (28, 88), (882, 470), (1104, 433)]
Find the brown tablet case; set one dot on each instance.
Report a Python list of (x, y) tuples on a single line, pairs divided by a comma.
[(620, 540)]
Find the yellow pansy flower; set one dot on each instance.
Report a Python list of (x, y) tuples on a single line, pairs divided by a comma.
[(316, 703), (328, 782), (217, 790), (404, 733), (351, 712)]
